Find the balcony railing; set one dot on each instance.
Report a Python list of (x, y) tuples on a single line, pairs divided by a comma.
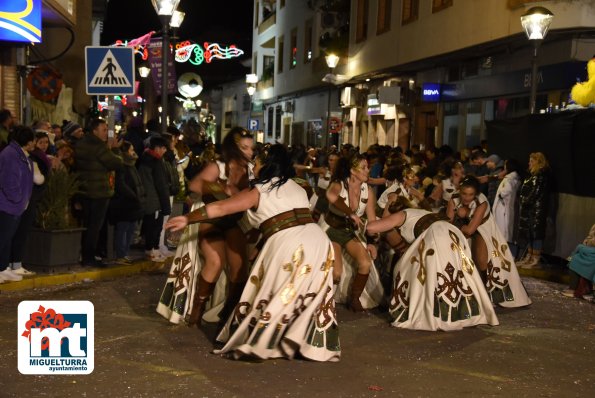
[(267, 23)]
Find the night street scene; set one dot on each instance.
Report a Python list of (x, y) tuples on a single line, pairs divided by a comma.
[(301, 198)]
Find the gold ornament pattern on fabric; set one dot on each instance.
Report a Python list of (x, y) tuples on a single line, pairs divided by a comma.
[(399, 297), (499, 252), (451, 284), (326, 313), (299, 269), (181, 273), (255, 279), (422, 273), (262, 304), (468, 264), (494, 279)]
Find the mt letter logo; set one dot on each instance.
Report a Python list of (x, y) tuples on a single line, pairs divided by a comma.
[(56, 337)]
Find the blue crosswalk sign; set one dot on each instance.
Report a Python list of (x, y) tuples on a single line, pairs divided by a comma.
[(109, 70)]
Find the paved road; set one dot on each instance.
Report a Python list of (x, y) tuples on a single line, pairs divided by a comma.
[(546, 350)]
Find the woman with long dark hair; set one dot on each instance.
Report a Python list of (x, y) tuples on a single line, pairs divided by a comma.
[(350, 199), (436, 285), (287, 306), (221, 241), (470, 211)]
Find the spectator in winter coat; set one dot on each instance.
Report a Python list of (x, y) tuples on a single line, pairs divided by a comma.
[(534, 204), (41, 172), (16, 184), (97, 157), (126, 206), (154, 177)]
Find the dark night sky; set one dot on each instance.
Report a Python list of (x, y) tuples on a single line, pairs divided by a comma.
[(221, 21)]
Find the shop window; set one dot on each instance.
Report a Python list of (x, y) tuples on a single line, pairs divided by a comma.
[(410, 11), (246, 103), (439, 5), (383, 20), (293, 49), (228, 119), (308, 42), (278, 113), (451, 108), (280, 50), (361, 28), (270, 119)]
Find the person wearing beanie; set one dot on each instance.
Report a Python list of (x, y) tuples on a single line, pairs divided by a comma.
[(72, 132)]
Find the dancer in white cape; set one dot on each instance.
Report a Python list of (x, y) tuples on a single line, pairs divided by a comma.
[(436, 286), (287, 306), (470, 211)]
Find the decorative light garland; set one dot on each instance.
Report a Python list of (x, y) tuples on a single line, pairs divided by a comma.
[(194, 53), (138, 49), (187, 51)]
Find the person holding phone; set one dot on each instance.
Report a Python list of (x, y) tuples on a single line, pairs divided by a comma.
[(97, 157)]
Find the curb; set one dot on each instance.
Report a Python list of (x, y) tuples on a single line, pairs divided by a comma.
[(39, 281), (112, 272)]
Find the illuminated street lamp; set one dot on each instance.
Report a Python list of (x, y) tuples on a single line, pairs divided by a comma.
[(144, 71), (251, 80), (176, 19), (331, 61), (165, 9), (536, 22)]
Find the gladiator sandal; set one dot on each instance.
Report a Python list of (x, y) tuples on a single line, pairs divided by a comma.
[(357, 288), (203, 292), (233, 298)]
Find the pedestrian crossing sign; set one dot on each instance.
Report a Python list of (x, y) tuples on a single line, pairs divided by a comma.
[(109, 70)]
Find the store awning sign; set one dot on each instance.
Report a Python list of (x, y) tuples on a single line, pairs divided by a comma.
[(20, 20), (430, 92)]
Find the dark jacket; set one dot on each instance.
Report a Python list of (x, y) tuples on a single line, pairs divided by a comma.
[(16, 179), (95, 164), (173, 178), (534, 205), (130, 196), (154, 178)]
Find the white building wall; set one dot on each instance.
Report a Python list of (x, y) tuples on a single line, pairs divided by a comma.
[(465, 24)]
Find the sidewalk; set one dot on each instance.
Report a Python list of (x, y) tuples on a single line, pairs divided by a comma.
[(78, 274)]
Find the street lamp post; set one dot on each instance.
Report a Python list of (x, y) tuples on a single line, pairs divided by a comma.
[(331, 61), (251, 80), (165, 9), (144, 71), (536, 22)]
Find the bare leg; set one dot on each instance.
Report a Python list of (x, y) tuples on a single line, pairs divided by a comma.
[(479, 252), (235, 251), (212, 246), (338, 265)]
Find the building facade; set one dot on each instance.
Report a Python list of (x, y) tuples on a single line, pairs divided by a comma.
[(427, 72)]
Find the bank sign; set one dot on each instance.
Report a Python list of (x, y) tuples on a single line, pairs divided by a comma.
[(20, 20), (430, 92), (56, 337)]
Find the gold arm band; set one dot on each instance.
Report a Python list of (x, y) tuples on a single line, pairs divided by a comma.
[(197, 215)]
